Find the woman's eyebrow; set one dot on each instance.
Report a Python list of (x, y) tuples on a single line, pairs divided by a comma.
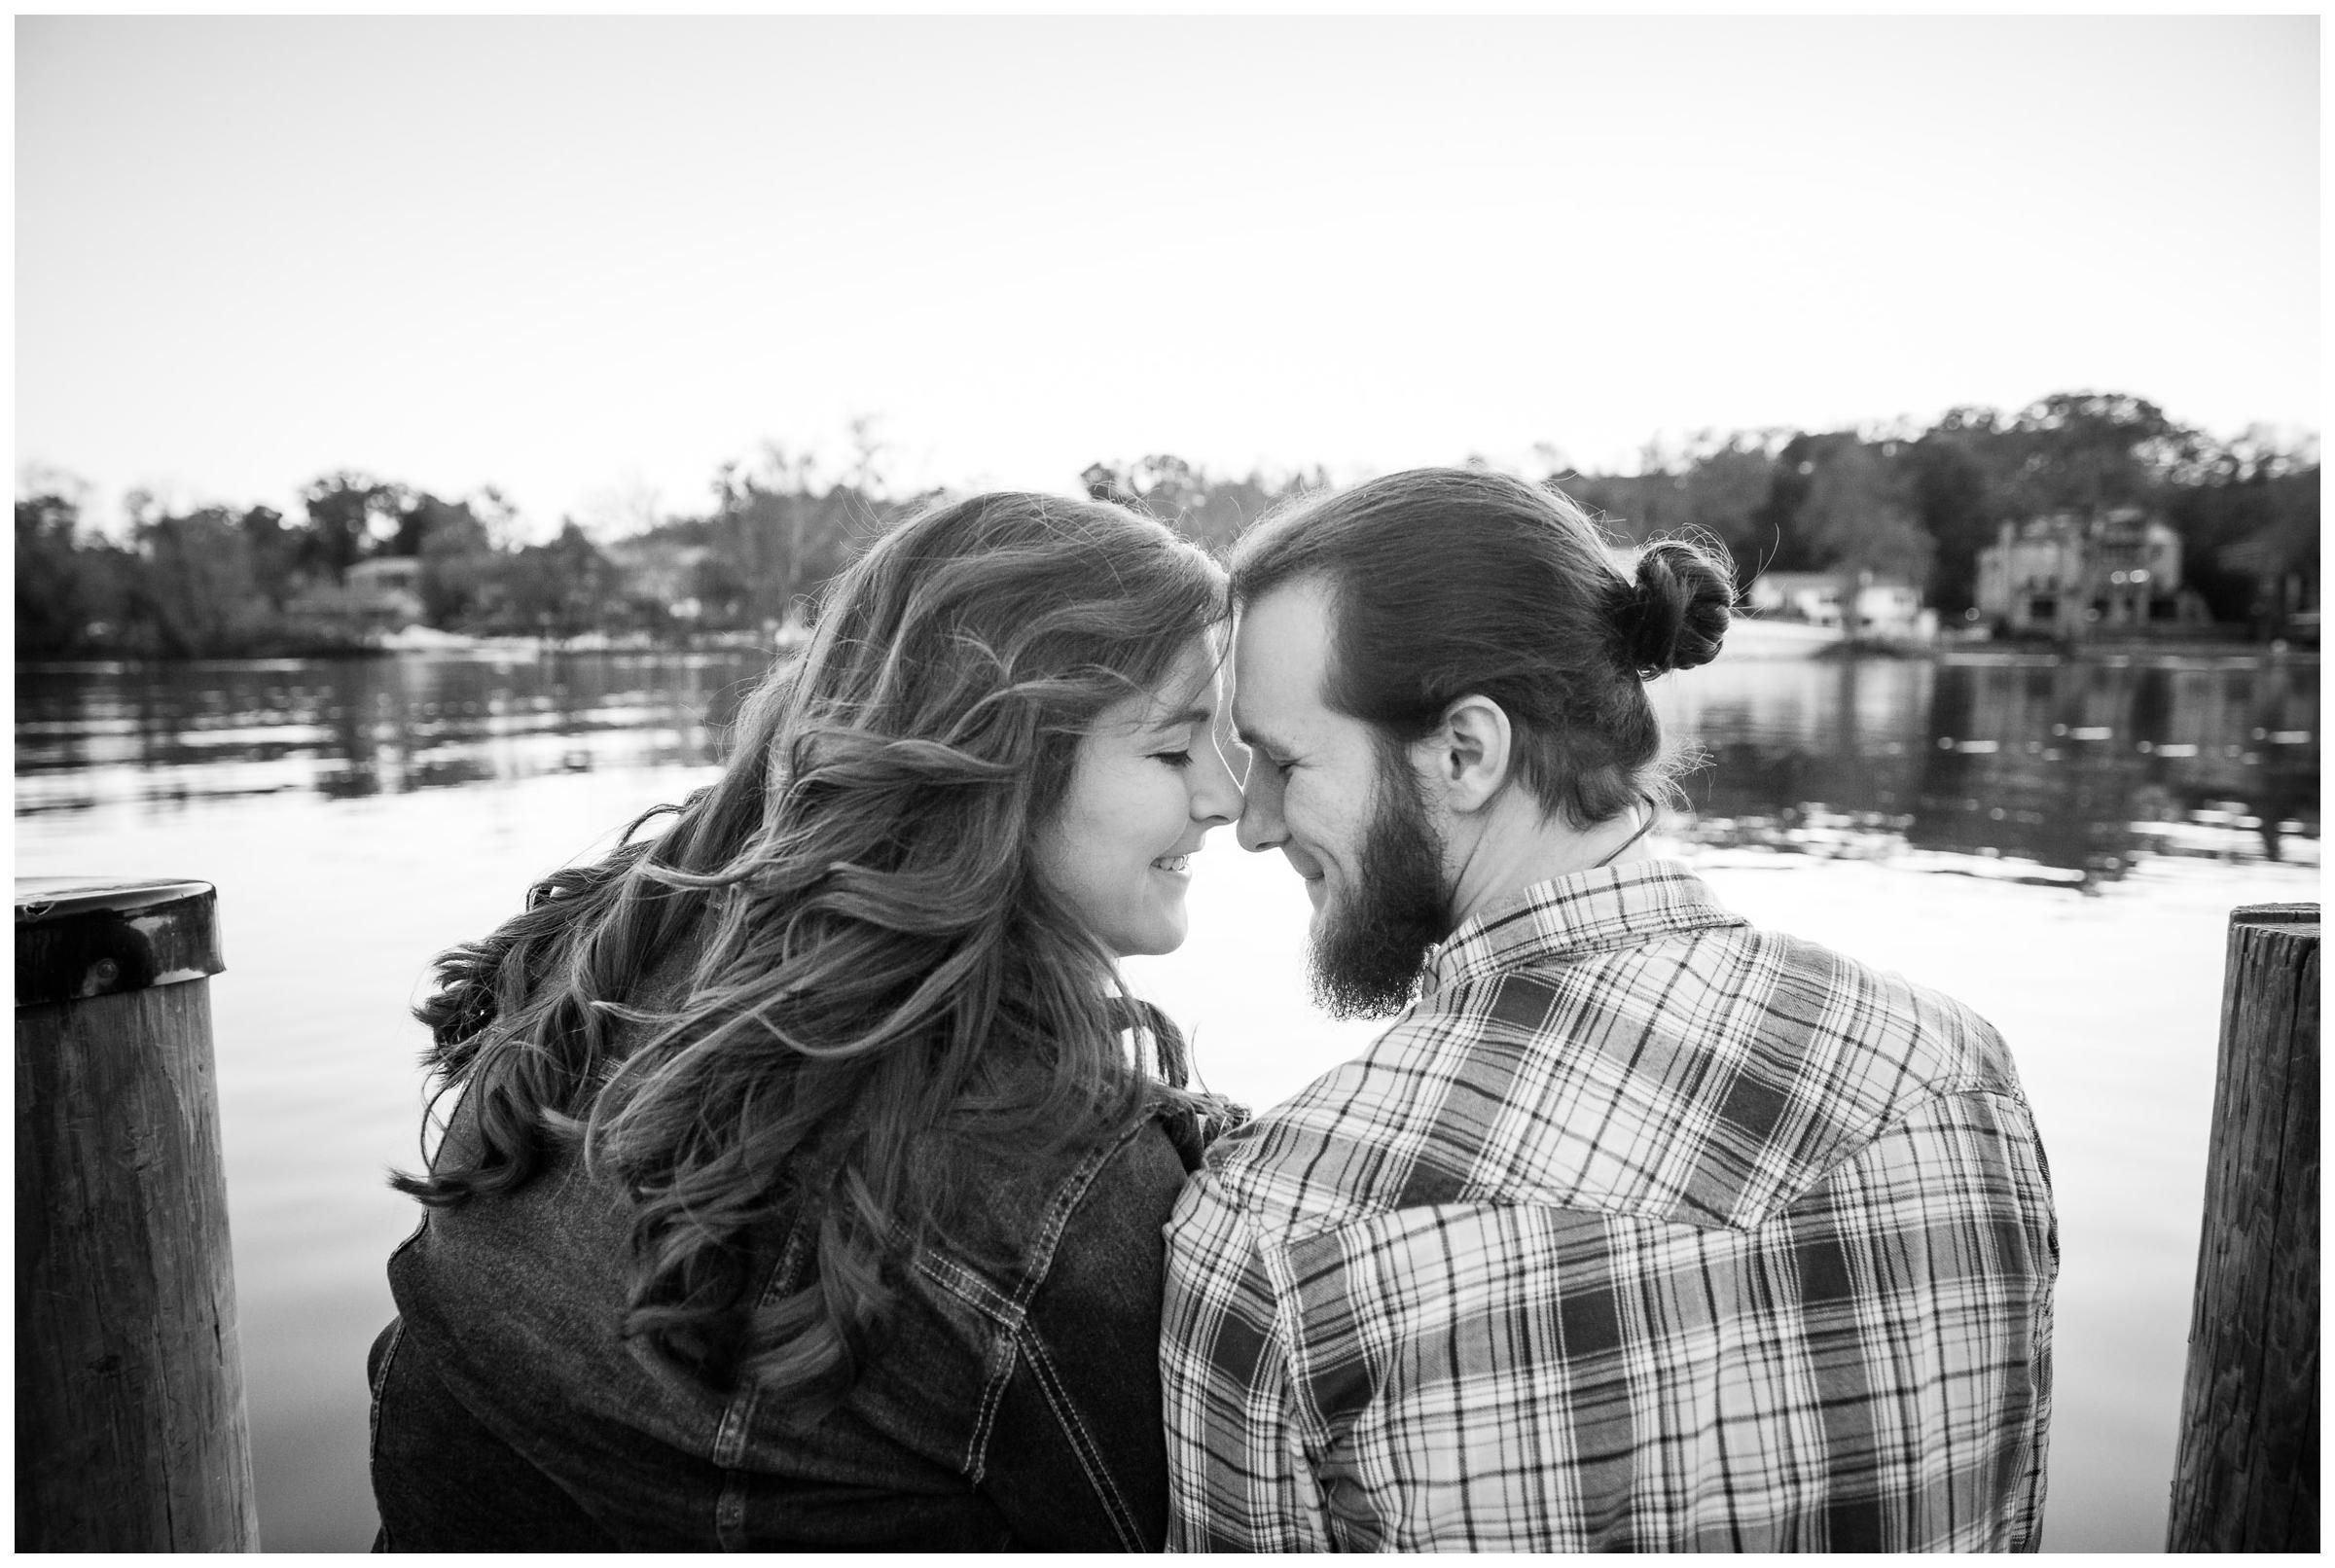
[(1191, 715)]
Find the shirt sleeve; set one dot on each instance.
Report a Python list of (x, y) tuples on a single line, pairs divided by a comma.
[(1238, 1476)]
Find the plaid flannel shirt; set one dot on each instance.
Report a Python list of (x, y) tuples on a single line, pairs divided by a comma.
[(1641, 1228)]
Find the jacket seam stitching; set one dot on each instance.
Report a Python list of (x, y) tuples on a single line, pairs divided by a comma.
[(1005, 1317), (1008, 1314), (1082, 1444), (729, 1437), (373, 1426), (985, 1419), (1073, 1192), (970, 1288)]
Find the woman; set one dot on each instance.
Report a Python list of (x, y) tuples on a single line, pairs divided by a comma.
[(805, 1185)]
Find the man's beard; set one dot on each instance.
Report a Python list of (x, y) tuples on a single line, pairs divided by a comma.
[(1369, 946)]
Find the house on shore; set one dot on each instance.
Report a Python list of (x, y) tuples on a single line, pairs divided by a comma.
[(1882, 609), (379, 595), (659, 572), (2073, 575)]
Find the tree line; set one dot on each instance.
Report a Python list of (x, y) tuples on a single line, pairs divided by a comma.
[(1916, 503)]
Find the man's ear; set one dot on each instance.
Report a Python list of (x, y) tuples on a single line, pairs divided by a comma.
[(1466, 758)]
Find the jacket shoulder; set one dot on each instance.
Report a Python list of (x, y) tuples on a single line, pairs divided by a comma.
[(1095, 1205)]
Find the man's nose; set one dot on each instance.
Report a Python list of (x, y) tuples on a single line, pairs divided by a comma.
[(1261, 826)]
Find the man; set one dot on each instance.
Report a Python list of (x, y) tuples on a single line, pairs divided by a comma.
[(1639, 1228)]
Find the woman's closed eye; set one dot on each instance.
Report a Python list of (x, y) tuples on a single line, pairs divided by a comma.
[(1177, 745)]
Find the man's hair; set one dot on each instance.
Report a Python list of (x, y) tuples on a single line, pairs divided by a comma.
[(1444, 582)]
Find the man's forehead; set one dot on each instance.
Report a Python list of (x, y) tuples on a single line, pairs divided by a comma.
[(1281, 650)]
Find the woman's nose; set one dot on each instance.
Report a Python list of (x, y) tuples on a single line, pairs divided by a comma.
[(1216, 799)]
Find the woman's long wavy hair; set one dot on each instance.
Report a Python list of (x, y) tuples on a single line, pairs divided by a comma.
[(881, 989)]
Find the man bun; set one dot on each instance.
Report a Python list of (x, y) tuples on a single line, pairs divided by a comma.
[(1675, 612)]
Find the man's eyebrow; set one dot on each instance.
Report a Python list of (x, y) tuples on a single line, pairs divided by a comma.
[(1255, 740)]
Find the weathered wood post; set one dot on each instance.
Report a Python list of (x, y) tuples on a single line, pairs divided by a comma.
[(2246, 1477), (131, 1427)]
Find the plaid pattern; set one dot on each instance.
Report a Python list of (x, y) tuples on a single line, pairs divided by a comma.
[(1641, 1229)]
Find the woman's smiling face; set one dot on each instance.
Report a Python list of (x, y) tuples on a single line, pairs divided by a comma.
[(1147, 785)]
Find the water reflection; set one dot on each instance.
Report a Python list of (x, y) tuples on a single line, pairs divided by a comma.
[(91, 734), (2060, 768), (2069, 768)]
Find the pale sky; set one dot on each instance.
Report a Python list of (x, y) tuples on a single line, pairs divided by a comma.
[(588, 259)]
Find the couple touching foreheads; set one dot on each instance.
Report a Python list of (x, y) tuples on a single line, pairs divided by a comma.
[(814, 1182)]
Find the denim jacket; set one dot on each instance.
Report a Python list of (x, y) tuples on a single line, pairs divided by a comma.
[(1013, 1407)]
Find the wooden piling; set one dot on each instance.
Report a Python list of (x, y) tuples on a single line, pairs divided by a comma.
[(2247, 1475), (131, 1427)]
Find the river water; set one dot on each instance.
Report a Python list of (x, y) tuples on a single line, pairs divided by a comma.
[(2058, 842)]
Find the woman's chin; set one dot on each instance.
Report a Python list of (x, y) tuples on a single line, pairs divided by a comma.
[(1156, 941)]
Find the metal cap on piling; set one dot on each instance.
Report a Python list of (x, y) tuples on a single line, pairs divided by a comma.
[(131, 1433), (77, 937)]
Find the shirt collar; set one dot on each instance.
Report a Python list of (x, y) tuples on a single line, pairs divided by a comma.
[(1581, 913)]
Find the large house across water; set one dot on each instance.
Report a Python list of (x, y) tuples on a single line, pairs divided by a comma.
[(2072, 575)]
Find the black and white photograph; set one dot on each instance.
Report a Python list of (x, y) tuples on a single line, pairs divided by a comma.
[(1519, 783)]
